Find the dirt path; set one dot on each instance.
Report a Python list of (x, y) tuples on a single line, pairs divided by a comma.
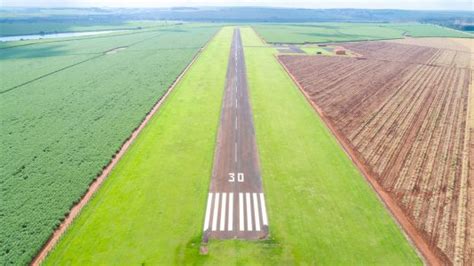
[(76, 209), (236, 204), (410, 230)]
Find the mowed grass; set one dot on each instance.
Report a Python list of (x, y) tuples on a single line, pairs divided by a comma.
[(342, 32), (151, 209)]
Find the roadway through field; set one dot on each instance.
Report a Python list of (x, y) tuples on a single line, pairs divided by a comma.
[(236, 203)]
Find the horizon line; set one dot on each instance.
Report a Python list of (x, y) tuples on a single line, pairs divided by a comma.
[(238, 6)]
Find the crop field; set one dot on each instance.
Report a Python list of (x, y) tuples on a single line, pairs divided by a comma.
[(341, 32), (403, 112), (66, 116), (151, 209)]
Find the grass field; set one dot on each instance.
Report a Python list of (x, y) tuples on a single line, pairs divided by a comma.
[(150, 210), (341, 32), (66, 107)]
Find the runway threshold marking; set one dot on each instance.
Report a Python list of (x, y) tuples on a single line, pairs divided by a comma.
[(251, 212), (214, 218), (241, 212), (256, 212), (231, 212)]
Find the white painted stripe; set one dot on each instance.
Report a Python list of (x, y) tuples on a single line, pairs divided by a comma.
[(264, 210), (235, 103), (223, 209), (235, 122), (241, 212), (235, 151), (208, 212), (255, 212), (249, 212), (230, 224), (214, 216)]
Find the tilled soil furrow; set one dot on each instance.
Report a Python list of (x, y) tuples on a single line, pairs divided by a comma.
[(402, 111)]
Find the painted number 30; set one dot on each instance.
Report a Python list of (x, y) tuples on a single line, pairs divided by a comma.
[(240, 177)]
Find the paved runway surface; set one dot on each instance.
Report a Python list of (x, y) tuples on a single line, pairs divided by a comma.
[(236, 204)]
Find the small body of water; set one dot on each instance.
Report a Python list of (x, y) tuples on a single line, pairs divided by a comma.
[(51, 35)]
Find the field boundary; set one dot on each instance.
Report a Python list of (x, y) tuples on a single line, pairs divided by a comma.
[(410, 231), (107, 169)]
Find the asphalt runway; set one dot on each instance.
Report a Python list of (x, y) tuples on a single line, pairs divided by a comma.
[(236, 203)]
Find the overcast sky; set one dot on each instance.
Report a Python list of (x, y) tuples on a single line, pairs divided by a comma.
[(467, 5)]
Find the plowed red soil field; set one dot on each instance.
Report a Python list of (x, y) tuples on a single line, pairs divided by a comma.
[(402, 110)]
